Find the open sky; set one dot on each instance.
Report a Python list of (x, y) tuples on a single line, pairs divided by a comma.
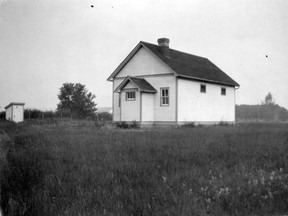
[(44, 44)]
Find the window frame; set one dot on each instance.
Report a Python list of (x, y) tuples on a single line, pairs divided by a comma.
[(225, 92), (205, 89), (130, 98), (162, 98)]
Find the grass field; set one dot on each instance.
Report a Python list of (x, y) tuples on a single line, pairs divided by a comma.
[(79, 169)]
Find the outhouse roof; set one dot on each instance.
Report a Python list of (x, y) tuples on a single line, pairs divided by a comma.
[(14, 103)]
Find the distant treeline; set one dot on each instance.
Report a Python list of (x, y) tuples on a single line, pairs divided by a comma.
[(38, 114), (264, 112)]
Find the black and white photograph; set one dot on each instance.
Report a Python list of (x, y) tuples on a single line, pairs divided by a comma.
[(143, 108)]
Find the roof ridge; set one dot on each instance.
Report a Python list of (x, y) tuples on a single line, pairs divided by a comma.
[(181, 63), (186, 53)]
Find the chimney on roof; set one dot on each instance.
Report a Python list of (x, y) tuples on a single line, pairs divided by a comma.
[(163, 44)]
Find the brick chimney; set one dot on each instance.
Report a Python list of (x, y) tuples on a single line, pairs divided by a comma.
[(163, 44)]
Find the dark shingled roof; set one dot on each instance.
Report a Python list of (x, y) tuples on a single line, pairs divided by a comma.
[(191, 66), (140, 83)]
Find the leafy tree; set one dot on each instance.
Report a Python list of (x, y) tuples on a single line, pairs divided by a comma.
[(283, 114), (76, 100), (105, 116), (267, 111), (2, 115), (269, 99)]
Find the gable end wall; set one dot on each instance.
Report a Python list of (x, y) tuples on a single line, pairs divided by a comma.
[(147, 66), (143, 63)]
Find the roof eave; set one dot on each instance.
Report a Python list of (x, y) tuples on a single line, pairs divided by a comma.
[(131, 54), (152, 53), (147, 91), (124, 62), (14, 103), (127, 79), (124, 82)]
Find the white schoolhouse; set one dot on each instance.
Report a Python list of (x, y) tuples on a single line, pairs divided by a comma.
[(158, 85)]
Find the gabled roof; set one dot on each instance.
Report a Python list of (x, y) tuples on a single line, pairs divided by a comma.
[(140, 83), (192, 66), (184, 65)]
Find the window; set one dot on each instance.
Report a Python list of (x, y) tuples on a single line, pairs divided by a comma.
[(164, 97), (203, 88), (130, 96), (223, 91)]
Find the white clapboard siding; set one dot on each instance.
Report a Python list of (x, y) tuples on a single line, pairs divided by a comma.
[(204, 107)]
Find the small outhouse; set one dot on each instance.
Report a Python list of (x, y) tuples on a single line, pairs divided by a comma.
[(15, 112)]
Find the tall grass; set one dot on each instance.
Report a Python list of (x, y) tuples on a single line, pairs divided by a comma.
[(72, 170)]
